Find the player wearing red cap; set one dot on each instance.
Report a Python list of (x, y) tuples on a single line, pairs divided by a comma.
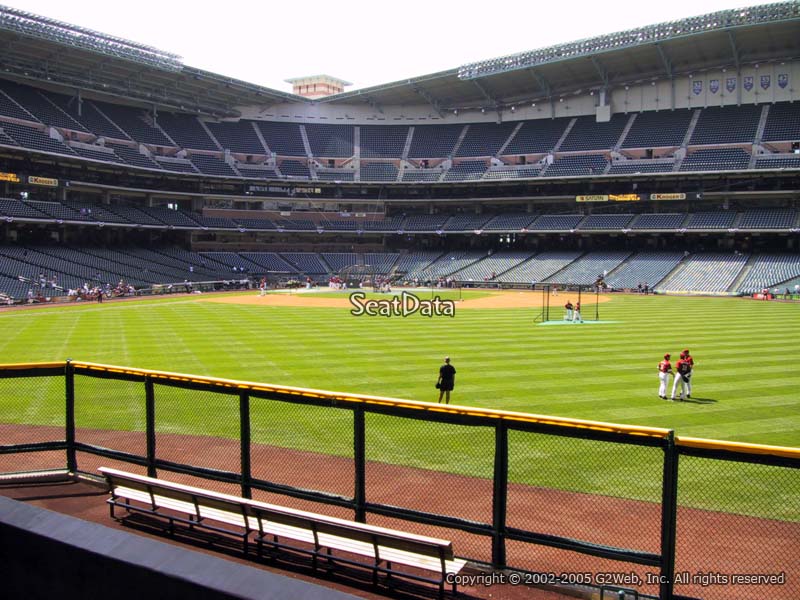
[(576, 314), (688, 358), (664, 371), (683, 369)]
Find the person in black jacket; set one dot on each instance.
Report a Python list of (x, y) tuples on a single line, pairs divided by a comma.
[(447, 380)]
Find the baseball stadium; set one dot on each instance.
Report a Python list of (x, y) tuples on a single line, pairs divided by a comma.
[(227, 311)]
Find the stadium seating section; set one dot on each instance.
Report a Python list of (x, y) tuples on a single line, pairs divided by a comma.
[(66, 267), (45, 121)]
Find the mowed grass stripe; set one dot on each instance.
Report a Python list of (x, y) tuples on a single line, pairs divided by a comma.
[(746, 373)]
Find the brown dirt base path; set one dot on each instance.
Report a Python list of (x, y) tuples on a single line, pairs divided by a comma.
[(495, 299), (708, 541)]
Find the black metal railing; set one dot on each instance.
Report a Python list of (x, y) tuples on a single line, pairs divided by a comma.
[(583, 502)]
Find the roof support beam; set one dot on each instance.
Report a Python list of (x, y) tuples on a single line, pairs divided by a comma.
[(486, 94), (437, 108), (665, 60), (734, 48), (542, 82), (375, 106), (601, 70)]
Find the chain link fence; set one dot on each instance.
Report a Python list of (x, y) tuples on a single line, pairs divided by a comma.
[(31, 414), (577, 502), (739, 539), (432, 467)]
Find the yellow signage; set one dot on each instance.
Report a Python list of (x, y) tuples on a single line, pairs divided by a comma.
[(12, 177), (46, 181), (667, 196), (624, 197), (596, 198)]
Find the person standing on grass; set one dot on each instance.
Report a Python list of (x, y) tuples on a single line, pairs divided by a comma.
[(688, 358), (664, 371), (568, 308), (576, 314), (447, 380), (683, 369)]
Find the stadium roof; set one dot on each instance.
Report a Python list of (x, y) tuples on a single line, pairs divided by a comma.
[(50, 52), (59, 55), (722, 39)]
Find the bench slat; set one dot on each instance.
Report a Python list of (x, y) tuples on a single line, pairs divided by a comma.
[(269, 520)]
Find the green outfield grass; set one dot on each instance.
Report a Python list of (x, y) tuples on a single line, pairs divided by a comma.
[(746, 378)]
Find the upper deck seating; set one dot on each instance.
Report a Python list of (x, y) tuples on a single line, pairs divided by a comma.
[(434, 141), (659, 128), (284, 139), (589, 134), (726, 125), (237, 136), (485, 139), (135, 123), (783, 122), (537, 137), (186, 131), (382, 141), (335, 141)]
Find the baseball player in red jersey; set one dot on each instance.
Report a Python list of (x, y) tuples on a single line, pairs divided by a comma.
[(682, 368), (576, 314), (688, 358), (664, 371)]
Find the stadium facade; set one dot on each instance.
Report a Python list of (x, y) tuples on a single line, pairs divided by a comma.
[(668, 154)]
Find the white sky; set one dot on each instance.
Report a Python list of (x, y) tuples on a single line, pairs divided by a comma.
[(366, 42)]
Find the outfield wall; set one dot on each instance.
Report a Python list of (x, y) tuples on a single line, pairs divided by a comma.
[(643, 510)]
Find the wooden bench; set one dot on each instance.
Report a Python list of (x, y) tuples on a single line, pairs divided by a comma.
[(276, 526)]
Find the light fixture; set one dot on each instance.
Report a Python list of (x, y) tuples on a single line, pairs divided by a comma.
[(513, 108)]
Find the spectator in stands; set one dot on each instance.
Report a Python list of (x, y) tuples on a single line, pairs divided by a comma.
[(447, 380)]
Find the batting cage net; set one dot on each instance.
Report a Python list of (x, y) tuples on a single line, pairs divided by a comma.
[(569, 304), (359, 276)]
